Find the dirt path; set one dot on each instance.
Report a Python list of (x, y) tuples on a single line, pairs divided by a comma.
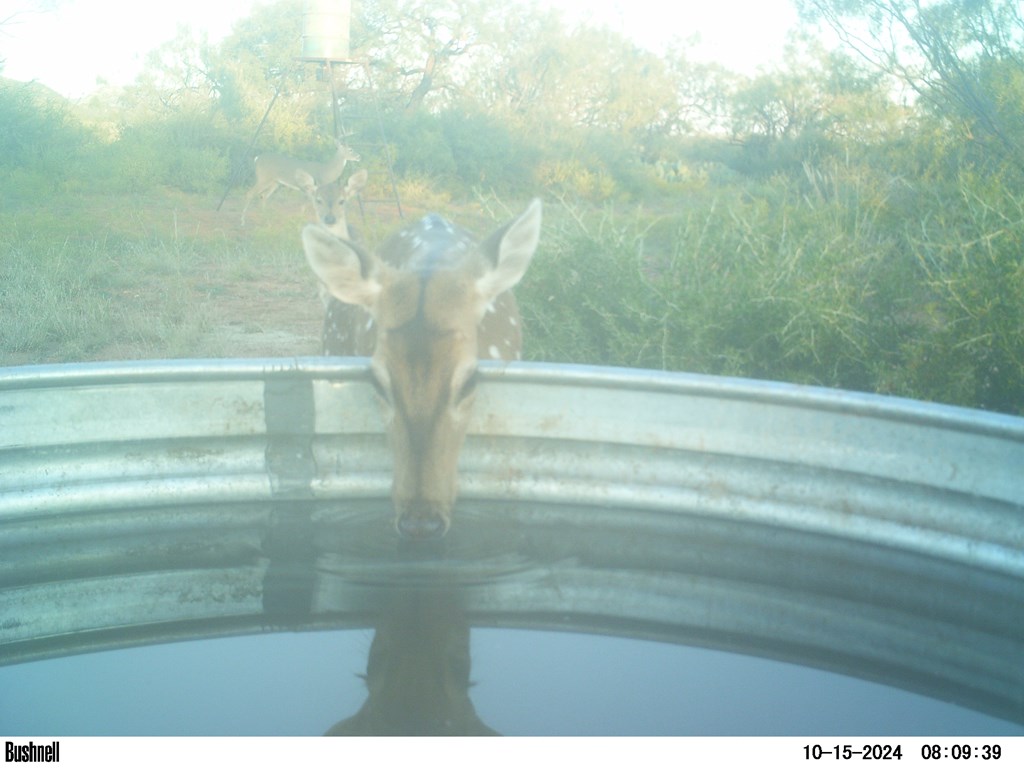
[(277, 314), (234, 291), (258, 319)]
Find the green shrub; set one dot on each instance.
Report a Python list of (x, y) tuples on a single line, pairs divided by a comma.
[(971, 254), (185, 151), (420, 148), (486, 153), (780, 286), (40, 142)]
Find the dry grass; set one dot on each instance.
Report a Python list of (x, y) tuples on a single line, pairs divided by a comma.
[(166, 275)]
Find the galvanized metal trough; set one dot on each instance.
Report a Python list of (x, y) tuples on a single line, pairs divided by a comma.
[(883, 538)]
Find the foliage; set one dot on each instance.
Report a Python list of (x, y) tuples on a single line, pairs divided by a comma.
[(416, 48), (486, 152), (813, 283), (965, 61), (181, 151), (820, 104), (256, 65), (420, 147), (852, 218), (67, 299), (787, 286), (971, 254), (40, 142)]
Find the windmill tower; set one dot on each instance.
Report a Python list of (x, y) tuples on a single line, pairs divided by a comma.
[(325, 42)]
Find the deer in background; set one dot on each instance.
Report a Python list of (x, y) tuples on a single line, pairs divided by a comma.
[(430, 303), (329, 201), (275, 170)]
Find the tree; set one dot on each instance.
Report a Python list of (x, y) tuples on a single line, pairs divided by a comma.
[(176, 76), (541, 75), (819, 101), (963, 58), (257, 62), (414, 49), (40, 140)]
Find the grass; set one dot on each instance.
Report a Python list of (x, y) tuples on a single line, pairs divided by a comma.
[(135, 278), (70, 300), (813, 280), (804, 280)]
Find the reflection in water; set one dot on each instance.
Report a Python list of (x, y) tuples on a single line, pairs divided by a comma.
[(418, 673), (120, 577)]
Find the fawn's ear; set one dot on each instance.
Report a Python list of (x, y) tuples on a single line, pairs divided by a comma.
[(350, 273), (510, 250), (355, 183)]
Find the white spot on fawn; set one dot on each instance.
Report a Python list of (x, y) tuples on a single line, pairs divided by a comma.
[(493, 352)]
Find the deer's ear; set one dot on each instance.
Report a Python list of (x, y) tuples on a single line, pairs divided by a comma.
[(350, 273), (305, 181), (510, 250)]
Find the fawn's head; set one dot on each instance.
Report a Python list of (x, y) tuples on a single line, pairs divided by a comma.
[(427, 292)]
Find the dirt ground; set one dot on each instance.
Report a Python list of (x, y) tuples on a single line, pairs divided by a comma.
[(264, 313), (265, 321), (259, 318), (248, 289), (271, 318)]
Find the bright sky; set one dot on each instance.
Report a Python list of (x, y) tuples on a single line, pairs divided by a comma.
[(78, 42)]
